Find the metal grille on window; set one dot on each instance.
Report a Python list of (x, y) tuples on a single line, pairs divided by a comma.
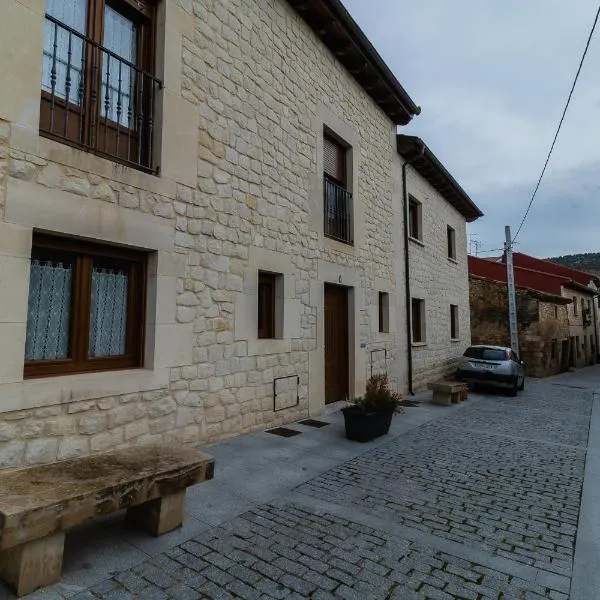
[(118, 78), (108, 326), (49, 310)]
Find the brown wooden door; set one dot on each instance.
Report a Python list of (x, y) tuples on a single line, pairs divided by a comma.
[(336, 343)]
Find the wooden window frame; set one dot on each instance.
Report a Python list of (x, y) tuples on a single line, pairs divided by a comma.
[(418, 320), (266, 313), (384, 312), (415, 216), (341, 175), (83, 254), (451, 233), (454, 322), (86, 125)]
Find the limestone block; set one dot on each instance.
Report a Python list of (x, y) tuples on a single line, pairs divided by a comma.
[(94, 423), (73, 447), (41, 451), (11, 454)]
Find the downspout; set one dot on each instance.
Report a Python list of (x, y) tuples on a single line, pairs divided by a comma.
[(407, 162)]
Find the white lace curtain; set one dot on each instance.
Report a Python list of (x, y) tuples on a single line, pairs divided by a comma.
[(49, 311), (72, 13), (120, 38), (108, 318), (64, 52)]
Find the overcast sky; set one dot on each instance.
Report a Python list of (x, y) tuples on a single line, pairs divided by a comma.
[(492, 79)]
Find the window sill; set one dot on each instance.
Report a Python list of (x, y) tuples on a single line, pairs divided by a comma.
[(419, 344), (452, 260), (65, 389), (455, 340), (417, 241)]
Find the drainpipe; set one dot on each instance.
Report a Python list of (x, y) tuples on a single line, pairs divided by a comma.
[(409, 161)]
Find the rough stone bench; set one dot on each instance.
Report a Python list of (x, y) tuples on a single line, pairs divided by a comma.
[(38, 504), (447, 393)]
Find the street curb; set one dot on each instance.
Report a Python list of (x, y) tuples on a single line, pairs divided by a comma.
[(586, 575)]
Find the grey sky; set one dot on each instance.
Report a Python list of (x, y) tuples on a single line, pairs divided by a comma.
[(492, 79)]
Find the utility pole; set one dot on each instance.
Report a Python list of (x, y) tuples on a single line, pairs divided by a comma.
[(512, 301)]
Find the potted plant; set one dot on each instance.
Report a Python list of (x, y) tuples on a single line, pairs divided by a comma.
[(370, 416)]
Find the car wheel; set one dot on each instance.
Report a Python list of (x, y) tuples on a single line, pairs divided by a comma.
[(513, 391), (522, 386)]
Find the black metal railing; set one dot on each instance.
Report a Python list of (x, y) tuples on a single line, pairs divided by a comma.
[(94, 98), (337, 205)]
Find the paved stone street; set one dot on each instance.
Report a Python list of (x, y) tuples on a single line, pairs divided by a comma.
[(478, 501)]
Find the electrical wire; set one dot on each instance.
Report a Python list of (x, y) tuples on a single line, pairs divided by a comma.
[(537, 187)]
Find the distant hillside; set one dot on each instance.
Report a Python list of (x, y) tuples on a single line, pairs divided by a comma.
[(589, 261)]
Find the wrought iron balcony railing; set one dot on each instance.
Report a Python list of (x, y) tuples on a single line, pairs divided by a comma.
[(96, 99), (337, 204)]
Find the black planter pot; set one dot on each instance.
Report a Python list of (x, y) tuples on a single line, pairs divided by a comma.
[(364, 425)]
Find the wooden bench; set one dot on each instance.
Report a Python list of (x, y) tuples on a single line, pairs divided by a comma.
[(38, 504), (447, 393)]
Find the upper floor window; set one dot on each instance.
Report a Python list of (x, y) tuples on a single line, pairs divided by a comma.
[(98, 88), (574, 305), (85, 309), (451, 235), (337, 202), (415, 226)]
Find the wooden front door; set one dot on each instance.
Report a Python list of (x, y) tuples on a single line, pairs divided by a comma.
[(336, 343)]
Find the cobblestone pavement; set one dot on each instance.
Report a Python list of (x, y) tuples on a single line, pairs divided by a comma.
[(481, 503)]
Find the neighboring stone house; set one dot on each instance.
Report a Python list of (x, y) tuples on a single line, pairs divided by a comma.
[(553, 334), (438, 285), (199, 217), (583, 315)]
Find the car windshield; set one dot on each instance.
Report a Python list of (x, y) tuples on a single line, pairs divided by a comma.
[(485, 353)]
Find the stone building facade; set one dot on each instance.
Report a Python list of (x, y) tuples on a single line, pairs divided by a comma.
[(556, 314), (246, 97), (438, 274), (542, 318)]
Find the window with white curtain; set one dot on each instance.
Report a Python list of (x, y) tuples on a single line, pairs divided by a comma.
[(85, 307)]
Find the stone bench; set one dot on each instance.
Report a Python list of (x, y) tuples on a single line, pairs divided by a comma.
[(38, 504), (447, 393)]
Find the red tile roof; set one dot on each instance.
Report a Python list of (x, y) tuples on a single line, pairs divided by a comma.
[(531, 279), (546, 266)]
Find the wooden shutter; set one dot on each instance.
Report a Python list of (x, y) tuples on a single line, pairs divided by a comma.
[(334, 159)]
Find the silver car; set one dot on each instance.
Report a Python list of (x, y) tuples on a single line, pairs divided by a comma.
[(493, 365)]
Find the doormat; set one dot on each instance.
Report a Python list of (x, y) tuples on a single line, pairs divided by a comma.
[(313, 423), (409, 403), (284, 432)]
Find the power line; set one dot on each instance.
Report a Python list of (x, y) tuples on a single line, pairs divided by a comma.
[(537, 187)]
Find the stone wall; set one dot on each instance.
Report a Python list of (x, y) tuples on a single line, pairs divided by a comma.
[(541, 333), (248, 91)]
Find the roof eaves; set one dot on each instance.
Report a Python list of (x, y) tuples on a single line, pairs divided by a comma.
[(429, 166), (336, 28)]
